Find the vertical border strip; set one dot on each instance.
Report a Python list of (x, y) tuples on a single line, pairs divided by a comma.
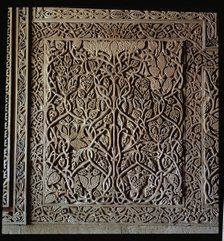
[(18, 214), (21, 113), (206, 96), (7, 126)]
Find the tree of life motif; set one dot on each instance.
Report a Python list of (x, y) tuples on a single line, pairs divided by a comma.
[(113, 122)]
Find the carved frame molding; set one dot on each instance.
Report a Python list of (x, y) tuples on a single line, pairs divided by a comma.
[(205, 46), (16, 132)]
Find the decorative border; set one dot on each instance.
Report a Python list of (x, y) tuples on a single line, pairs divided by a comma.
[(17, 215), (48, 14), (146, 215), (192, 31), (7, 130), (210, 136)]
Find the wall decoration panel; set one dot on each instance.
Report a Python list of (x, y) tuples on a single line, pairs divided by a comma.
[(123, 117)]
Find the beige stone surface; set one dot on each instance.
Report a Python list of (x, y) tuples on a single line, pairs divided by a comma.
[(116, 121), (103, 229)]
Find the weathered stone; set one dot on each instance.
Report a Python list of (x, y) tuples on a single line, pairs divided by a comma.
[(116, 122)]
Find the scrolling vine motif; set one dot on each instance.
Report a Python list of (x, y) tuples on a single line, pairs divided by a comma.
[(103, 94), (6, 162), (18, 213), (71, 116), (82, 15), (210, 128), (113, 122)]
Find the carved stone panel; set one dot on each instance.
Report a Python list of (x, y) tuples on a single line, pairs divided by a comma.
[(122, 117), (113, 122)]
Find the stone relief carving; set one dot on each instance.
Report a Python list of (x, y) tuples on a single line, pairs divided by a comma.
[(113, 122), (6, 161), (210, 127), (123, 117), (86, 15), (17, 213)]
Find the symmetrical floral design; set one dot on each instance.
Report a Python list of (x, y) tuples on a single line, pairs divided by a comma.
[(148, 87), (45, 14), (123, 117), (115, 108)]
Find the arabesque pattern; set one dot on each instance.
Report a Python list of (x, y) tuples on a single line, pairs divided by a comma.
[(114, 122), (17, 214), (123, 117)]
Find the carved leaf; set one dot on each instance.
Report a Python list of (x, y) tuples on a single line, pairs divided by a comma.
[(84, 181), (215, 125), (154, 71), (167, 86), (81, 93), (80, 102), (78, 144), (136, 114), (125, 106), (53, 178), (92, 104), (50, 198), (94, 182), (148, 114), (161, 62), (169, 71), (78, 112), (154, 83), (136, 104), (93, 114), (130, 125), (147, 94), (105, 140)]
